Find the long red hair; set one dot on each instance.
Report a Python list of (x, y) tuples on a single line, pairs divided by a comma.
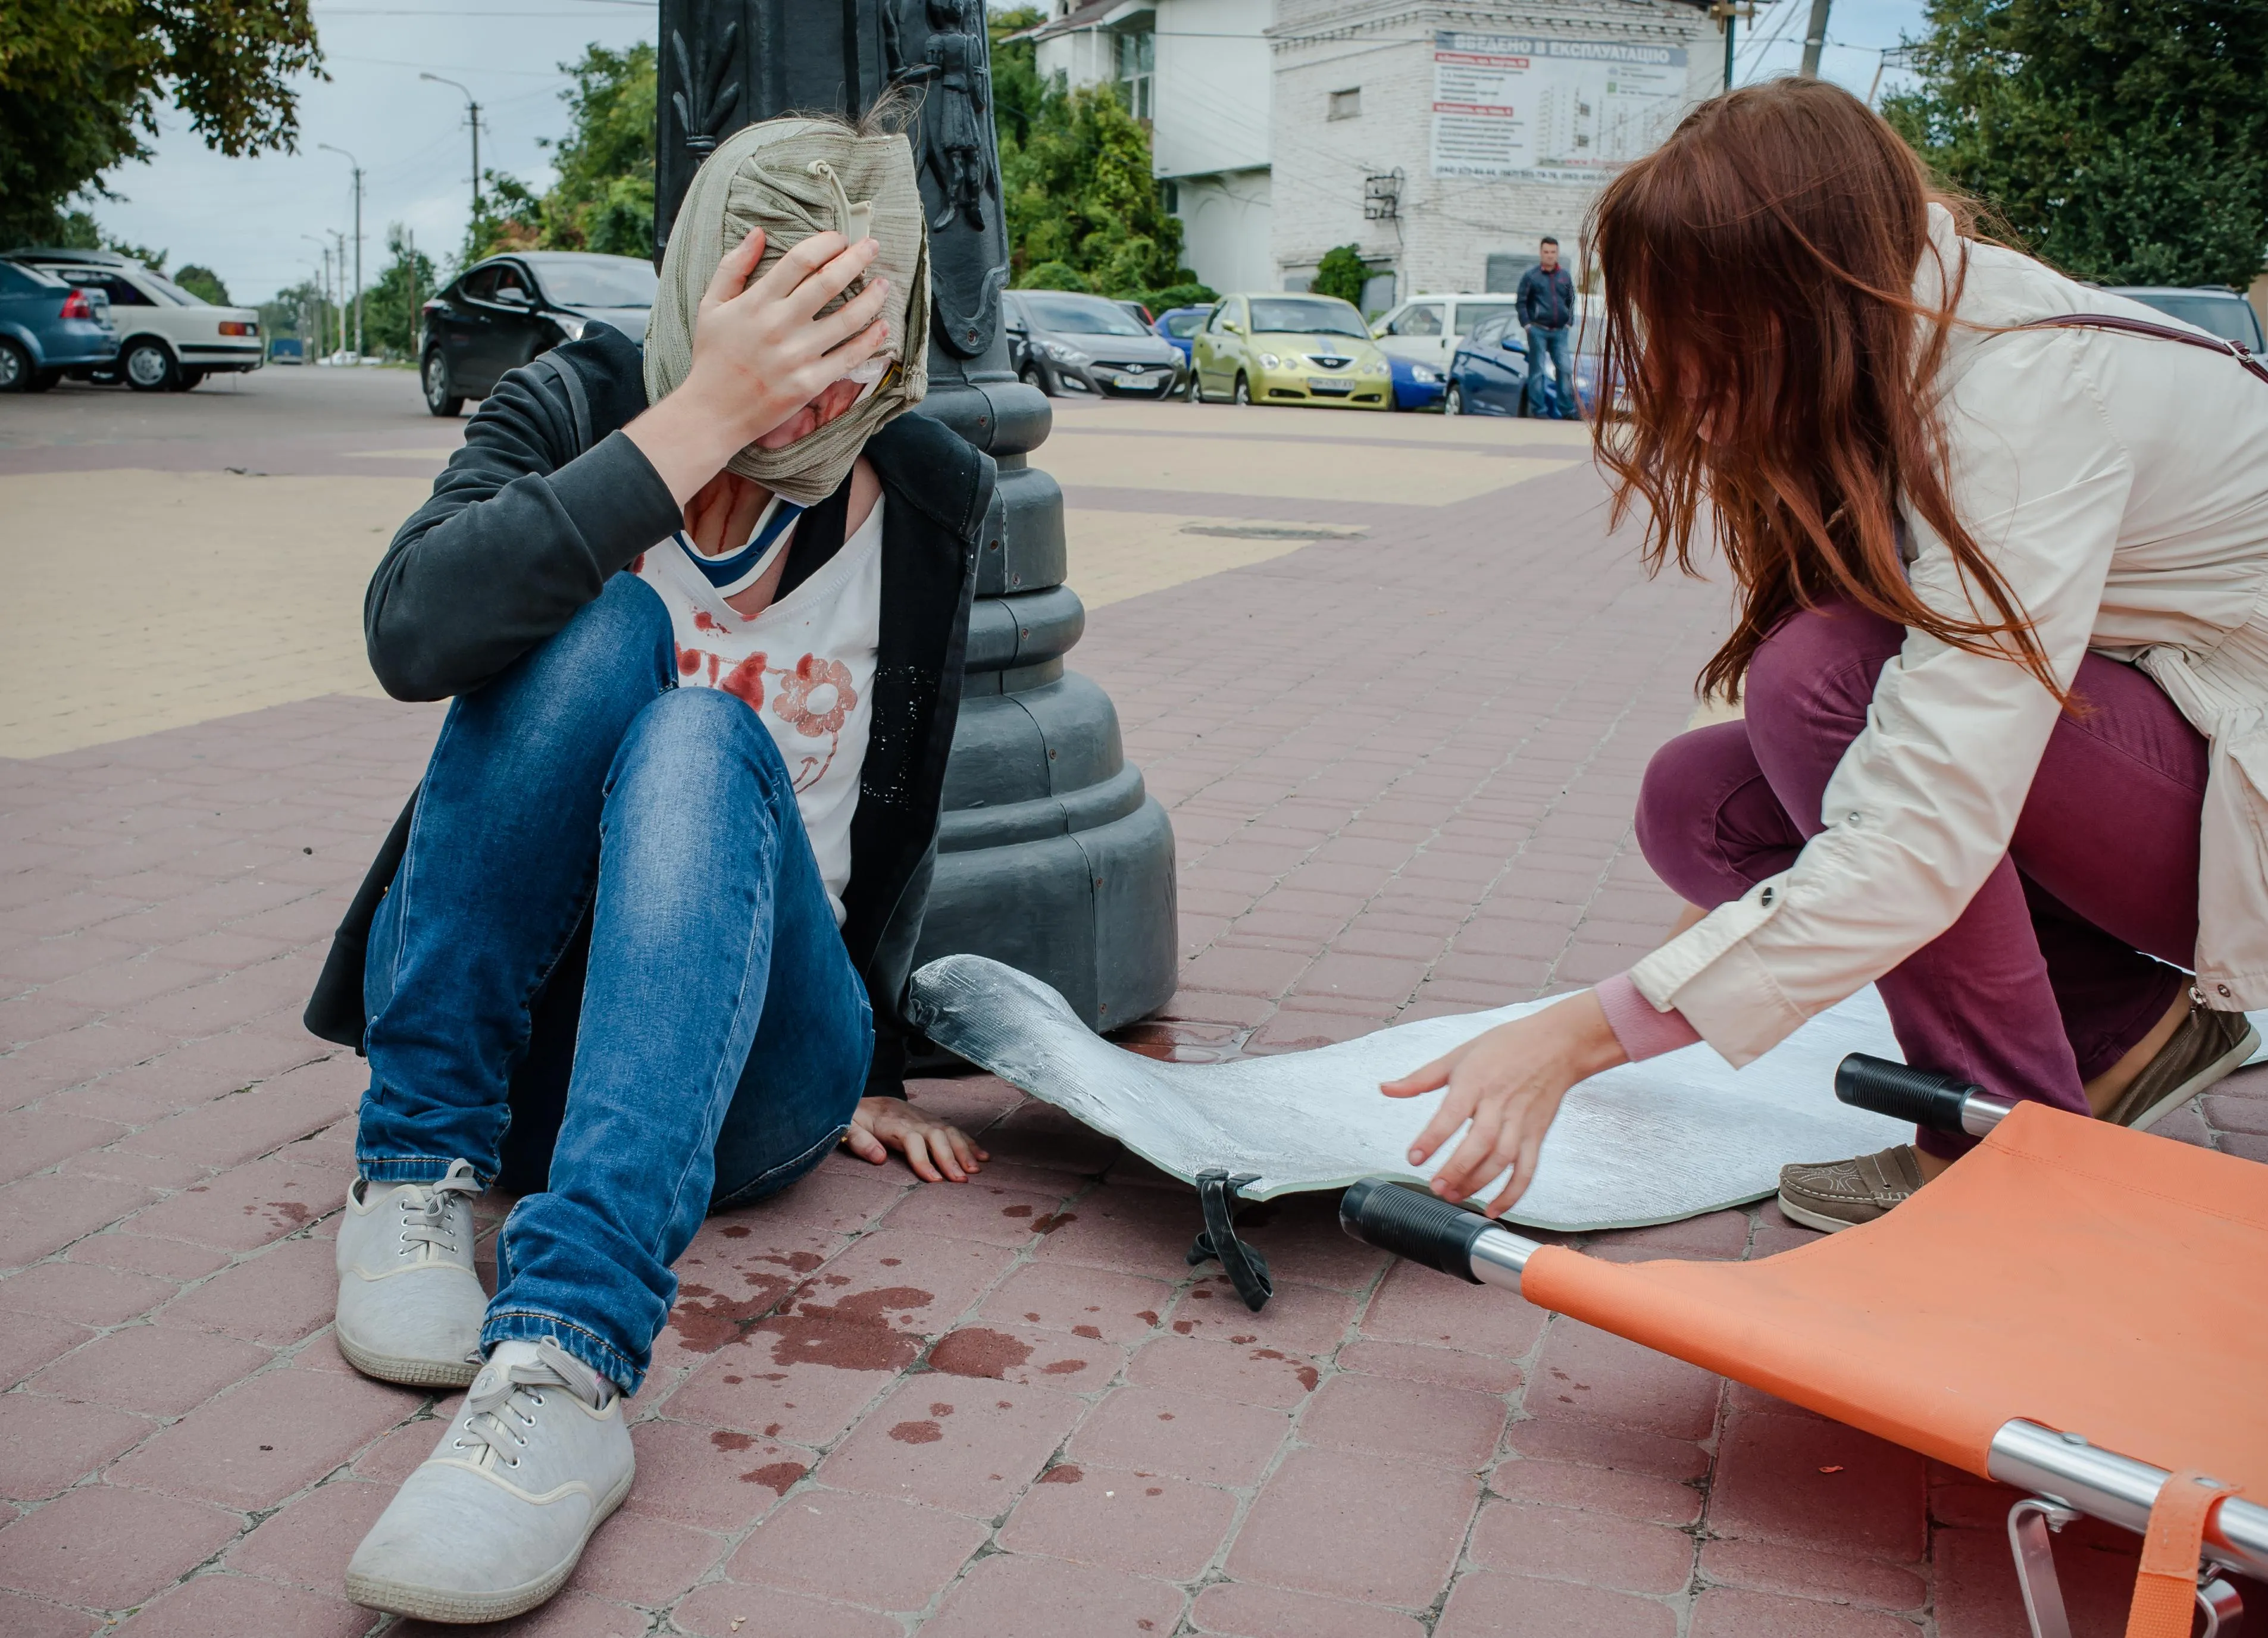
[(1760, 268)]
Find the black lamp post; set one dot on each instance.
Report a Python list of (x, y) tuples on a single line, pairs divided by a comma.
[(1052, 857)]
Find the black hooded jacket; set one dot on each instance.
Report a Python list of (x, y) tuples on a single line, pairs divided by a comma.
[(546, 500)]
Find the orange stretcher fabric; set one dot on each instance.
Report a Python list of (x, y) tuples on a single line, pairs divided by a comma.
[(2095, 1280)]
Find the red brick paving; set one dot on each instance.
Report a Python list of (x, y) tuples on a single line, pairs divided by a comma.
[(1401, 771)]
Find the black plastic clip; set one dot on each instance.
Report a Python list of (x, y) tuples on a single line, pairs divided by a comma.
[(1247, 1269)]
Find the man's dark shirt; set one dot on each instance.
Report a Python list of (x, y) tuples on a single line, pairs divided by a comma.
[(1547, 299)]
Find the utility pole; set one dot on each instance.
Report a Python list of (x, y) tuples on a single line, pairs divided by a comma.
[(1814, 37), (351, 160), (409, 268), (1730, 12), (322, 299), (472, 116), (310, 314), (340, 302)]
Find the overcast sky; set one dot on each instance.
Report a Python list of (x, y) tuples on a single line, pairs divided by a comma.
[(250, 220)]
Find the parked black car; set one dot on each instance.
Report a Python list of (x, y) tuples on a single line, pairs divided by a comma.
[(1059, 340), (503, 311)]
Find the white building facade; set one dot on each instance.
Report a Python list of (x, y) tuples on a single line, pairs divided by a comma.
[(1442, 142), (1199, 72)]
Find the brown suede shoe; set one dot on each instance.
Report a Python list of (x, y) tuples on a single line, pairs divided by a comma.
[(1839, 1195), (2206, 1046)]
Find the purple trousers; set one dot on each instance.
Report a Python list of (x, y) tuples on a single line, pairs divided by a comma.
[(2049, 977)]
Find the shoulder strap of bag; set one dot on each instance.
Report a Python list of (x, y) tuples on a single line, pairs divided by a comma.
[(578, 400), (2143, 326)]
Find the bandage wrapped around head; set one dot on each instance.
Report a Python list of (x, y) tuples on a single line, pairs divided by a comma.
[(794, 178)]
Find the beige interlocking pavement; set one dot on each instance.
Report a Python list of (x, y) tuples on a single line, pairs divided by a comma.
[(143, 600)]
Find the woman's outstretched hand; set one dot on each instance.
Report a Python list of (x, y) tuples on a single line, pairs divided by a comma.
[(935, 1150), (1507, 1083)]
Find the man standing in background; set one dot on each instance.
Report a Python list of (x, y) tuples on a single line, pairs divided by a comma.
[(1547, 308)]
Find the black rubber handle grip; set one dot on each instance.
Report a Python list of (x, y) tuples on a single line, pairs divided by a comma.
[(1923, 1097), (1409, 1224)]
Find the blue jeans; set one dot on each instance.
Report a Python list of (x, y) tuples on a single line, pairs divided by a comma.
[(1560, 343), (723, 1035)]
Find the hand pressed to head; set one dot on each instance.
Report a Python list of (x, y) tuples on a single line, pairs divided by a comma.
[(769, 366)]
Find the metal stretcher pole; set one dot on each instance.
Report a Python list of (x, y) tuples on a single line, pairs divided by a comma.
[(2117, 1489), (1945, 1103), (1433, 1232)]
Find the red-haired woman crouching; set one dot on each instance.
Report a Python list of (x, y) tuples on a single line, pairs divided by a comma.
[(2001, 599)]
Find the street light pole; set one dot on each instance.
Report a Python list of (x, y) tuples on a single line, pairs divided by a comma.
[(473, 114), (351, 160)]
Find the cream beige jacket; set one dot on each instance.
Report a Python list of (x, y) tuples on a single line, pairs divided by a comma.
[(2120, 484)]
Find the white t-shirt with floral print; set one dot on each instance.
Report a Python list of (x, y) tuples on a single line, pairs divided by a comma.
[(805, 666)]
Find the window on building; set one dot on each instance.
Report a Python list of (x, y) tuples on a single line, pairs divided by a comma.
[(1138, 71), (1377, 293), (1346, 105), (1503, 271)]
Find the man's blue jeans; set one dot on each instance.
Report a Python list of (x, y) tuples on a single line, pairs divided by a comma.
[(1559, 344), (725, 1035)]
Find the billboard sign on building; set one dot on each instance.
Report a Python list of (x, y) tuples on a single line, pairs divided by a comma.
[(1539, 109)]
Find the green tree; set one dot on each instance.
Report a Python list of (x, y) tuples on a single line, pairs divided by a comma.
[(200, 281), (1018, 90), (301, 310), (2123, 144), (1080, 192), (390, 306), (603, 199), (1341, 274), (81, 82), (1055, 276)]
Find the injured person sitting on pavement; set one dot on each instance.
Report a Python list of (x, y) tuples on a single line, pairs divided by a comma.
[(637, 949)]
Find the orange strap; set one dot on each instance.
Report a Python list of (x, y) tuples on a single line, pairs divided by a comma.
[(2165, 1593)]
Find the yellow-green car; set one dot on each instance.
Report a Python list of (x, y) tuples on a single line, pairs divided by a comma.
[(1275, 349)]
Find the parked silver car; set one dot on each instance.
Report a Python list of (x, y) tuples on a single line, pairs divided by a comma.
[(2214, 308), (1060, 341)]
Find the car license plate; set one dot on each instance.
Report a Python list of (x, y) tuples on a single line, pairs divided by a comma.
[(1330, 389)]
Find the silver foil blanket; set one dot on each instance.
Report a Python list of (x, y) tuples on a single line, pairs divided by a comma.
[(1649, 1142)]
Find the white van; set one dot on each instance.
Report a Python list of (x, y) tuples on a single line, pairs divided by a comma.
[(169, 339), (1425, 329)]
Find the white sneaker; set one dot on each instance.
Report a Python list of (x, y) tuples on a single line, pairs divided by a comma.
[(494, 1522), (411, 1306)]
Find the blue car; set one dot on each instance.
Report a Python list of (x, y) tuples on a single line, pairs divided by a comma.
[(1177, 325), (47, 326), (1416, 385), (1488, 374)]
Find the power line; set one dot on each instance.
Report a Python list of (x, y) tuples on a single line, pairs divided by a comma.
[(455, 67)]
